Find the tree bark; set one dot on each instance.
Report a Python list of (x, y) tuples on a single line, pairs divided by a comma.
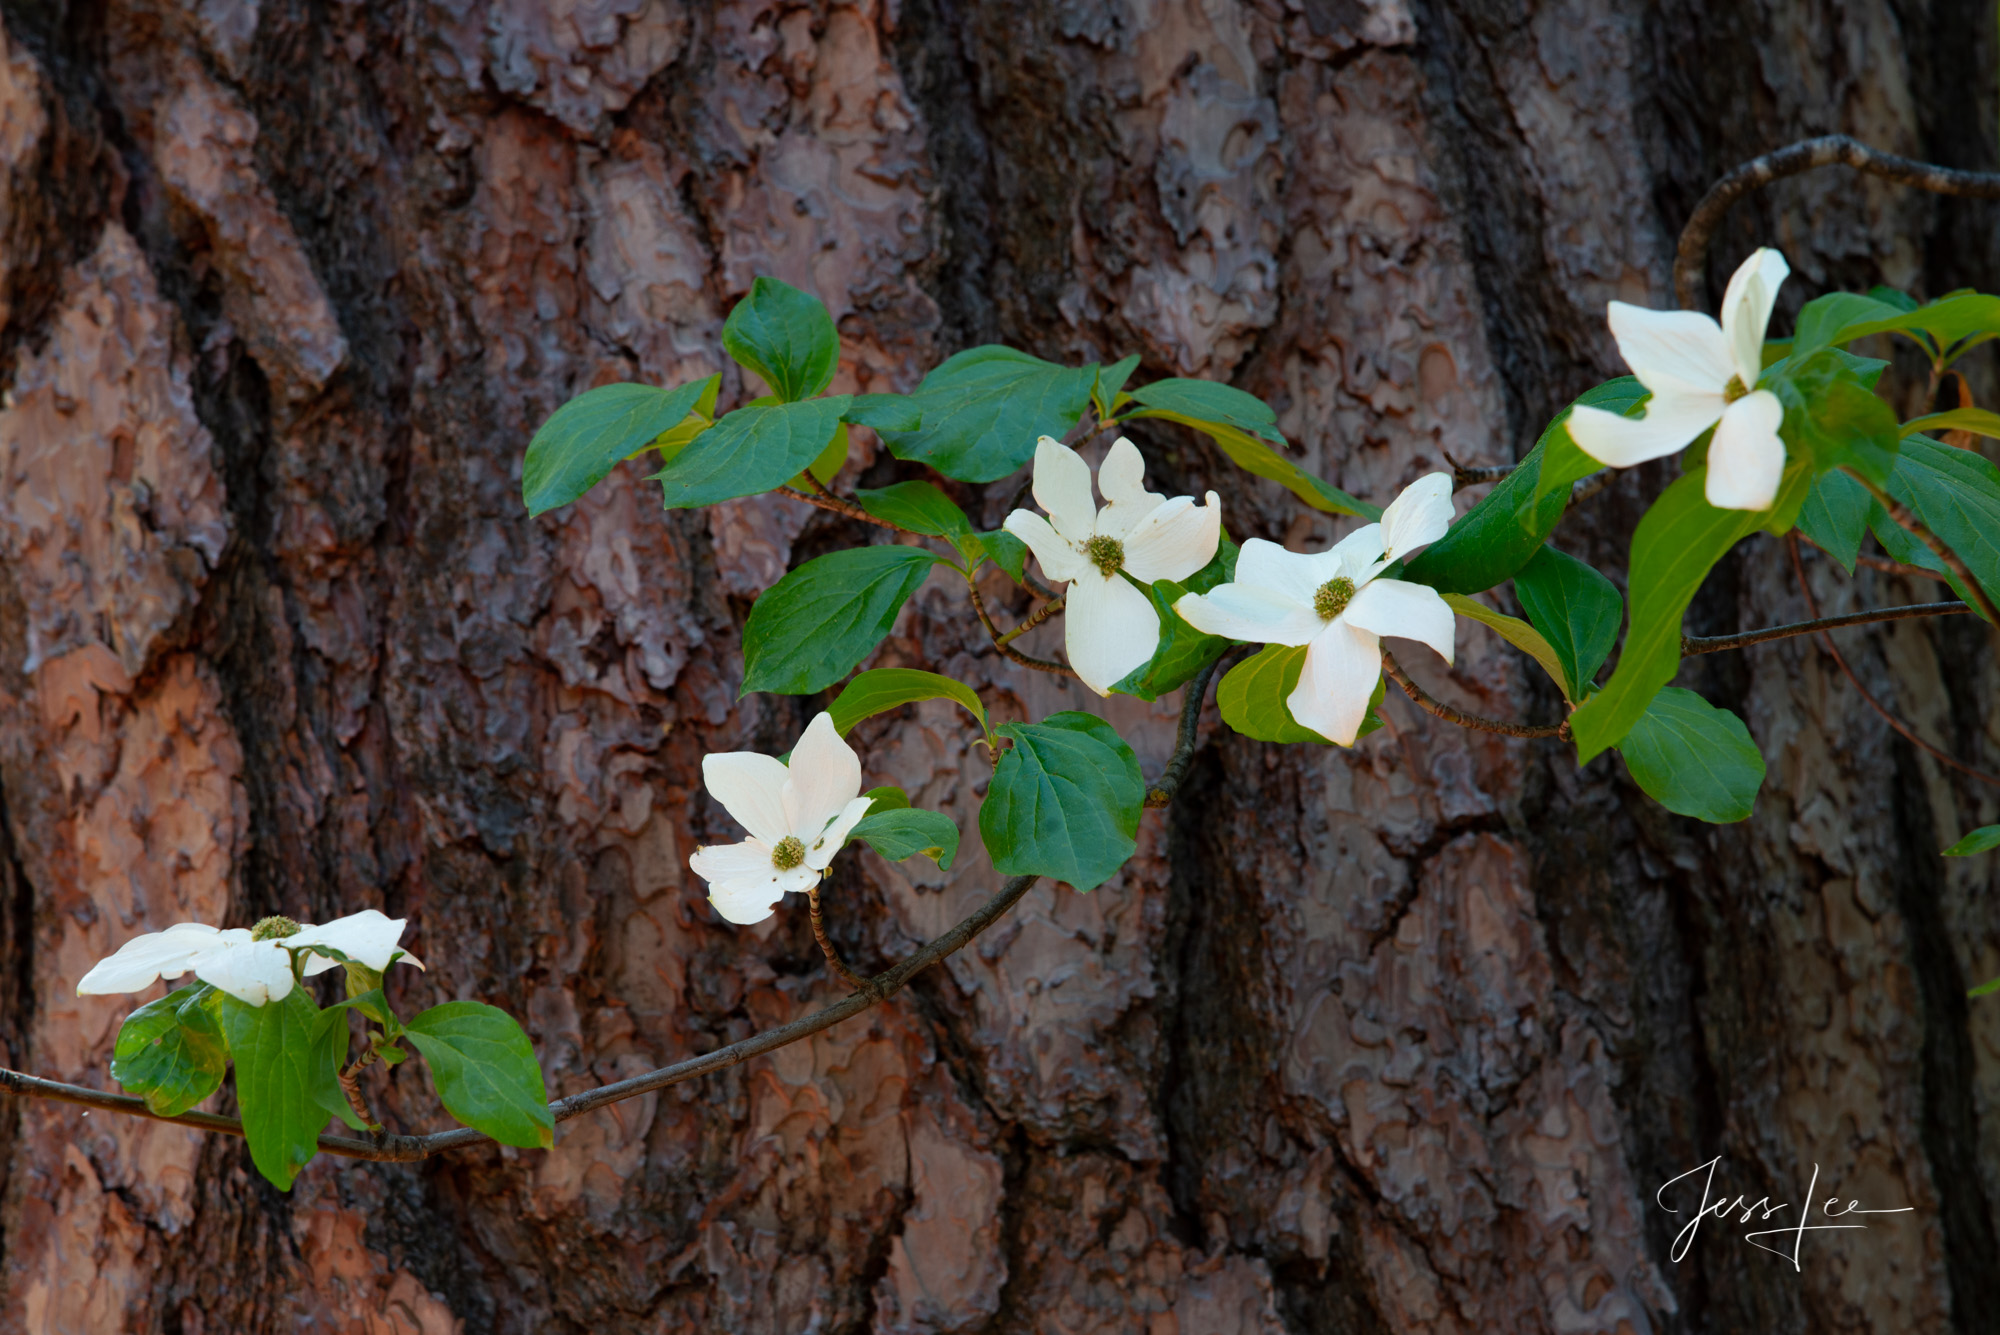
[(1398, 1039)]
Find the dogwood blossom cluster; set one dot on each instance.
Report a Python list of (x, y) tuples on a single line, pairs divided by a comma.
[(252, 964)]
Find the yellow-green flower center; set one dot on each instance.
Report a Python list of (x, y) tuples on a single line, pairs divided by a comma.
[(1734, 390), (274, 928), (1107, 554), (789, 853), (1333, 597)]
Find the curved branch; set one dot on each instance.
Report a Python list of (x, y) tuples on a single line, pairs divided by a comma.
[(1804, 157), (1826, 642), (826, 500), (384, 1148), (833, 959), (1431, 705), (1709, 644)]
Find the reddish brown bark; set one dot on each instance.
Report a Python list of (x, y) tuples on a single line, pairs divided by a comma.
[(1402, 1039)]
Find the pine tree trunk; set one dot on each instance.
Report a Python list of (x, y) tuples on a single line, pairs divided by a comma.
[(1398, 1039)]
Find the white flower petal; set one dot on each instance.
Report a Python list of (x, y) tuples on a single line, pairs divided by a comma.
[(1405, 610), (1121, 480), (749, 899), (252, 971), (825, 776), (1251, 613), (751, 787), (1746, 459), (834, 837), (1175, 540), (1671, 421), (1418, 517), (1294, 576), (1746, 309), (146, 958), (1062, 488), (369, 937), (1109, 628), (730, 862), (1358, 556), (1342, 666), (1673, 352), (1059, 558)]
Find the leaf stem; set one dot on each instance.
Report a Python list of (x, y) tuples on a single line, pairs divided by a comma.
[(1431, 705), (826, 500), (1709, 644), (1000, 643), (847, 975), (1035, 618), (350, 1085)]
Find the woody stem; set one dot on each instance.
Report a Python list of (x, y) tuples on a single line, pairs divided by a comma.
[(854, 980)]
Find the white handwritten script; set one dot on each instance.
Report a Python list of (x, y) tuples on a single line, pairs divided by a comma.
[(1761, 1210)]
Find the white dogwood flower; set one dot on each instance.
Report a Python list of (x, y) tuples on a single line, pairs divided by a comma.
[(798, 817), (252, 964), (1335, 603), (1701, 374), (1109, 626)]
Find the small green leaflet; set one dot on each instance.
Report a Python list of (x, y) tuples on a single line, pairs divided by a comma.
[(886, 798), (1694, 759), (1833, 419), (1183, 650), (171, 1051), (1064, 802), (1210, 402), (1674, 547), (830, 461), (1982, 840), (785, 336), (984, 408), (1985, 989), (1835, 516), (883, 689), (1956, 493), (1005, 550), (1108, 392), (1979, 421), (1937, 327), (749, 451), (1251, 697), (1563, 462), (919, 507), (330, 1044), (585, 438), (1577, 610), (1519, 634), (816, 624), (272, 1046), (486, 1073), (906, 831)]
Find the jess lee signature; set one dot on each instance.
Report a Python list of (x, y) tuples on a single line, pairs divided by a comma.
[(1762, 1210)]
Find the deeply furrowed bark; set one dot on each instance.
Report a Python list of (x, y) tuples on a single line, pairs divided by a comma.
[(1397, 1039)]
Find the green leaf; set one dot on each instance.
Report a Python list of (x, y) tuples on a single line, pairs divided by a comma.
[(1257, 457), (919, 507), (785, 336), (272, 1046), (329, 1054), (1694, 759), (885, 412), (585, 438), (1982, 840), (1563, 462), (1209, 401), (883, 689), (1841, 317), (1835, 516), (1251, 697), (1005, 550), (1522, 636), (486, 1073), (1833, 419), (1577, 610), (1064, 802), (830, 461), (816, 624), (906, 832), (749, 451), (1675, 545), (1956, 493), (1107, 391), (171, 1051), (886, 798), (1183, 650), (1979, 421), (984, 408)]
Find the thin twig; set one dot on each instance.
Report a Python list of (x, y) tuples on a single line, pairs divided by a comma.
[(350, 1085), (1826, 643), (1471, 475), (1939, 548), (847, 975), (1709, 644), (1162, 793), (1035, 618), (1039, 664), (1890, 567), (1804, 157), (1431, 705), (826, 500)]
